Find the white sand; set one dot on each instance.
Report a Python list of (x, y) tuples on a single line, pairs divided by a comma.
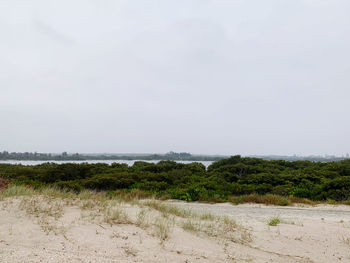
[(303, 236)]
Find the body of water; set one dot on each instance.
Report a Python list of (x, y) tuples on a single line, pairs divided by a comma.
[(128, 162)]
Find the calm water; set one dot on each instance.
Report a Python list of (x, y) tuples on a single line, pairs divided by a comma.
[(206, 163)]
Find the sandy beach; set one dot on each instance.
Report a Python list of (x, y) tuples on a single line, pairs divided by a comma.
[(48, 229)]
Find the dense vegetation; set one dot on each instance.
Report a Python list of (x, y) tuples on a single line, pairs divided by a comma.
[(235, 176)]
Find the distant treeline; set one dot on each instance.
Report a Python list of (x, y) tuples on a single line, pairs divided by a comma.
[(312, 158), (234, 176), (172, 156), (34, 156)]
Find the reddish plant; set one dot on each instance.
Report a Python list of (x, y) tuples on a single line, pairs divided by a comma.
[(3, 183)]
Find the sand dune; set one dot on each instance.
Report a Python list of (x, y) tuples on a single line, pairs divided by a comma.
[(47, 229)]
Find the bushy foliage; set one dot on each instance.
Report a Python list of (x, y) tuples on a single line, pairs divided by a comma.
[(234, 176)]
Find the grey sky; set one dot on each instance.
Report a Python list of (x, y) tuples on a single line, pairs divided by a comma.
[(216, 77)]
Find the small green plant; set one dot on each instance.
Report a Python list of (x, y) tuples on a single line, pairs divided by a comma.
[(274, 221)]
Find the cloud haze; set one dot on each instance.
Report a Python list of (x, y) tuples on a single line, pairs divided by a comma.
[(226, 77)]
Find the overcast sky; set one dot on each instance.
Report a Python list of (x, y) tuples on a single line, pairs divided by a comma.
[(202, 76)]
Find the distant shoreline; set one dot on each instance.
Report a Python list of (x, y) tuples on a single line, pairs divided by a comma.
[(171, 156)]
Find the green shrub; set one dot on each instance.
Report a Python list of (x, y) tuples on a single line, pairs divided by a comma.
[(274, 221)]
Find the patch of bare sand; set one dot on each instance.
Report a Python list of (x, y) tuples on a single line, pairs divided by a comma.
[(39, 230)]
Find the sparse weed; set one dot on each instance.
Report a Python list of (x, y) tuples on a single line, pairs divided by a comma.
[(191, 225), (47, 210), (48, 226), (163, 227), (220, 227), (206, 216), (168, 209), (39, 207), (87, 205), (130, 251), (346, 240), (142, 220), (129, 196), (229, 223), (86, 195)]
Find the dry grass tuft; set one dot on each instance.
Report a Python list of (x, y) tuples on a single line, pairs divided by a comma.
[(116, 215), (142, 219), (168, 209), (129, 251), (268, 199), (130, 196), (47, 210), (42, 207), (192, 225), (206, 216), (163, 227), (16, 190), (220, 227), (297, 200), (346, 240)]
